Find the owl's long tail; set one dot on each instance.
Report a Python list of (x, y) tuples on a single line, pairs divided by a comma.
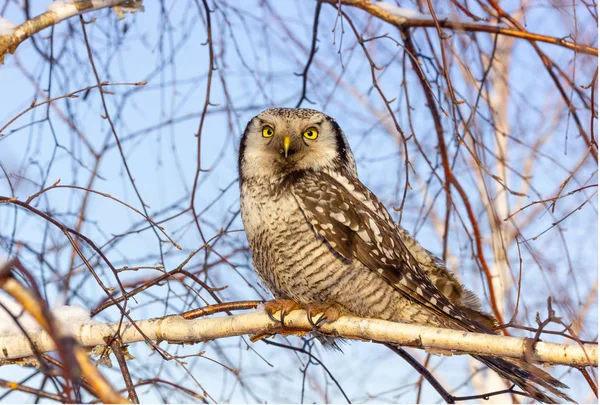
[(526, 376)]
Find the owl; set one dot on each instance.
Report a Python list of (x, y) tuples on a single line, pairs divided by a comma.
[(320, 239)]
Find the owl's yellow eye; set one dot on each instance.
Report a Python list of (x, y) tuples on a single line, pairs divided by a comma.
[(311, 133), (268, 132)]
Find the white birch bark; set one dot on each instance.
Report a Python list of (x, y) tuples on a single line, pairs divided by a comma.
[(176, 329)]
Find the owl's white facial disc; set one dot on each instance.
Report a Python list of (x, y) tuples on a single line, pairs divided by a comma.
[(262, 152)]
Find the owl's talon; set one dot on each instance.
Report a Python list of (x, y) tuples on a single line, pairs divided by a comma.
[(322, 320), (310, 321), (327, 313), (271, 317), (283, 306)]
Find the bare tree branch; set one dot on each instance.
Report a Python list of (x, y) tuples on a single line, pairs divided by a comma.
[(408, 21), (9, 43)]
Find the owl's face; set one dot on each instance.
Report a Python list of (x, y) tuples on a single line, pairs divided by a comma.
[(280, 141)]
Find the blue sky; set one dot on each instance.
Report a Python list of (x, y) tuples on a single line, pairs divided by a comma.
[(260, 51)]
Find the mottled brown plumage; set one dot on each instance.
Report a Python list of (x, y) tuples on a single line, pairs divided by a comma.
[(319, 236)]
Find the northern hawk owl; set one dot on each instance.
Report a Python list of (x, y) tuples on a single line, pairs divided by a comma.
[(318, 236)]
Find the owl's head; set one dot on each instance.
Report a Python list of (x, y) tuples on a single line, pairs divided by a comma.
[(280, 141)]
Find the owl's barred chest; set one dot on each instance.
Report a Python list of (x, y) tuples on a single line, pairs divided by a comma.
[(270, 215), (287, 254)]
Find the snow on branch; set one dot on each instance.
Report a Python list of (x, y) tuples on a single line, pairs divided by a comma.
[(11, 310), (6, 27), (176, 329), (11, 37), (75, 360)]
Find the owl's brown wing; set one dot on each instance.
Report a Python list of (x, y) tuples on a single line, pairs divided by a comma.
[(350, 220), (354, 224)]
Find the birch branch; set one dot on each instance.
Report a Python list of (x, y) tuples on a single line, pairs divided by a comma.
[(58, 12), (401, 17), (176, 329)]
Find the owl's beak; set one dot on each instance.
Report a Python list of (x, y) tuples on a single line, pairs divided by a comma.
[(286, 146)]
